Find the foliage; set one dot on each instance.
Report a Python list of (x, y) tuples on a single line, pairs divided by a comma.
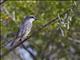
[(58, 41)]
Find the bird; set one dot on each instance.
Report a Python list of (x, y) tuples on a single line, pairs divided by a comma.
[(24, 29)]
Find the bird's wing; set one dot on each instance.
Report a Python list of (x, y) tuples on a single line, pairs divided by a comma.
[(23, 32), (25, 29)]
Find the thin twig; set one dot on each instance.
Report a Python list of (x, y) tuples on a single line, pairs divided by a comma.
[(7, 13)]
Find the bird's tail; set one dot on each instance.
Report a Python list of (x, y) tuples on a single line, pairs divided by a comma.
[(14, 42)]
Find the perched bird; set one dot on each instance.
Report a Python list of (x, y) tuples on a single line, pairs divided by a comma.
[(24, 29)]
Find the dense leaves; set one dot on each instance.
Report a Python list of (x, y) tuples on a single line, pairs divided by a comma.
[(58, 41)]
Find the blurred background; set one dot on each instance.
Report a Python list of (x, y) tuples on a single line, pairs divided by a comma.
[(59, 40)]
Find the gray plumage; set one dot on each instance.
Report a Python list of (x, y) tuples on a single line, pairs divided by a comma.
[(24, 29)]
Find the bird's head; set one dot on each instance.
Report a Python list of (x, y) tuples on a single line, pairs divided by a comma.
[(30, 18)]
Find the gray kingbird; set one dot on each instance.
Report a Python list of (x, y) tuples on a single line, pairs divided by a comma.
[(24, 29)]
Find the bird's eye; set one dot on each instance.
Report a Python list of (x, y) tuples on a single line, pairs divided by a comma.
[(32, 17)]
